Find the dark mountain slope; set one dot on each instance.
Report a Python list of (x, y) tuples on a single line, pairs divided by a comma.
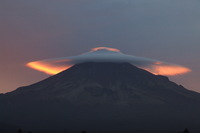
[(103, 96)]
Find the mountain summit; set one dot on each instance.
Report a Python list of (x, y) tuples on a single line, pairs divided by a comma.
[(102, 96)]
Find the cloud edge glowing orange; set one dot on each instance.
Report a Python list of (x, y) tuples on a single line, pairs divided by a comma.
[(54, 66)]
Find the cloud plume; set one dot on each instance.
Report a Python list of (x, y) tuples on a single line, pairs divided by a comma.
[(104, 54)]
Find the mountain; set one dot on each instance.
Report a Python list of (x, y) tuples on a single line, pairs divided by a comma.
[(103, 96)]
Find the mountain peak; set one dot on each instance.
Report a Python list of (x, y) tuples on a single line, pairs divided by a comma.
[(95, 95), (109, 81), (105, 74)]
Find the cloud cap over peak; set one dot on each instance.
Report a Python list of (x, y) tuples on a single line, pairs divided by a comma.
[(105, 54)]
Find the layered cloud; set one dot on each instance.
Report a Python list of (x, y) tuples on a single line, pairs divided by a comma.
[(104, 54)]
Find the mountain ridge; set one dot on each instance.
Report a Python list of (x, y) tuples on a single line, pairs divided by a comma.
[(105, 95)]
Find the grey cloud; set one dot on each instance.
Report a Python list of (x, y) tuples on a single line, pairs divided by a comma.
[(106, 55)]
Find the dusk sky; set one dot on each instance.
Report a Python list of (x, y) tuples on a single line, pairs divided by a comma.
[(30, 30)]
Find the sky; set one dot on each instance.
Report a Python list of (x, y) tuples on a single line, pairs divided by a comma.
[(30, 30)]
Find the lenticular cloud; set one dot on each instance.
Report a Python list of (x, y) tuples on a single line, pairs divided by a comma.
[(104, 54)]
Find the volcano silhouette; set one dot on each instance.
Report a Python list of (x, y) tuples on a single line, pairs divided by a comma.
[(103, 96)]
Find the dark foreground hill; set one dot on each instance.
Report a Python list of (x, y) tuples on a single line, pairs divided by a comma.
[(107, 97)]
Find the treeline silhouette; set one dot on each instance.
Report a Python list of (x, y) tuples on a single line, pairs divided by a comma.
[(21, 131)]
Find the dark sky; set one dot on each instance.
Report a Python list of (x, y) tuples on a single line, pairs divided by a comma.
[(167, 30)]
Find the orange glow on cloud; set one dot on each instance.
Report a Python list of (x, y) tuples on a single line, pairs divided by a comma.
[(158, 69), (167, 70), (105, 48), (48, 68), (56, 65)]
